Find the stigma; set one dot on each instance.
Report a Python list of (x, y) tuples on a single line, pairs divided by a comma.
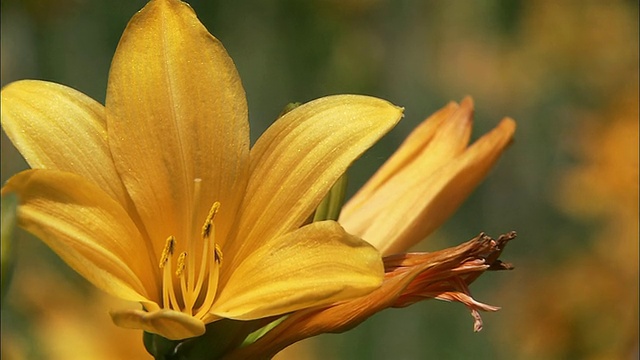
[(189, 297)]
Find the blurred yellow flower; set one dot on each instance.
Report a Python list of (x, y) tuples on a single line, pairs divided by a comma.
[(161, 178), (597, 285)]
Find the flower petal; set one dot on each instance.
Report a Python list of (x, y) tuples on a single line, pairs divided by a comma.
[(177, 112), (314, 265), (437, 140), (416, 204), (56, 127), (88, 229), (434, 143), (297, 160), (411, 148), (173, 325)]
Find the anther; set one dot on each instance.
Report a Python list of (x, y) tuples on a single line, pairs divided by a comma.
[(206, 228), (167, 251), (182, 261), (217, 254)]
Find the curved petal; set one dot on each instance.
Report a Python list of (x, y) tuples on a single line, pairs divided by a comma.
[(89, 230), (315, 265), (170, 324), (56, 127), (411, 215), (410, 149), (418, 158), (177, 112), (297, 160)]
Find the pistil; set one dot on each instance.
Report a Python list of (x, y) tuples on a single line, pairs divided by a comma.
[(191, 244)]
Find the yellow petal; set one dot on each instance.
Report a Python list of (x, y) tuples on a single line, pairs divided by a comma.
[(297, 160), (88, 229), (56, 127), (314, 265), (173, 325), (411, 216), (436, 141), (411, 148), (176, 112)]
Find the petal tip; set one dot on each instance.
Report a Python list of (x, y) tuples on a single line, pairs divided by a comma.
[(170, 324), (467, 102)]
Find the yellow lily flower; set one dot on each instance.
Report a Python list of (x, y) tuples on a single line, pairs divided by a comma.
[(157, 198)]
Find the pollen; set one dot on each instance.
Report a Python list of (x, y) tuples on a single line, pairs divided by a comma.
[(182, 263), (167, 251), (168, 295), (206, 228), (218, 254)]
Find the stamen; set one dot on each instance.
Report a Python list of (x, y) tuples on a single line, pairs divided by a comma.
[(167, 284), (203, 265), (208, 237), (186, 295), (212, 288), (210, 263)]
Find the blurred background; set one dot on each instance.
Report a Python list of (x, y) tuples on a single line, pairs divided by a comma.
[(565, 70)]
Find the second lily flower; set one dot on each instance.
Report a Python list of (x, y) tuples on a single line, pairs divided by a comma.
[(426, 180)]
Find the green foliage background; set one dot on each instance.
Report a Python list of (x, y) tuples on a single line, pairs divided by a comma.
[(561, 69)]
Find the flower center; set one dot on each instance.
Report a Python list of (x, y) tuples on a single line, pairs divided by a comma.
[(190, 284)]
